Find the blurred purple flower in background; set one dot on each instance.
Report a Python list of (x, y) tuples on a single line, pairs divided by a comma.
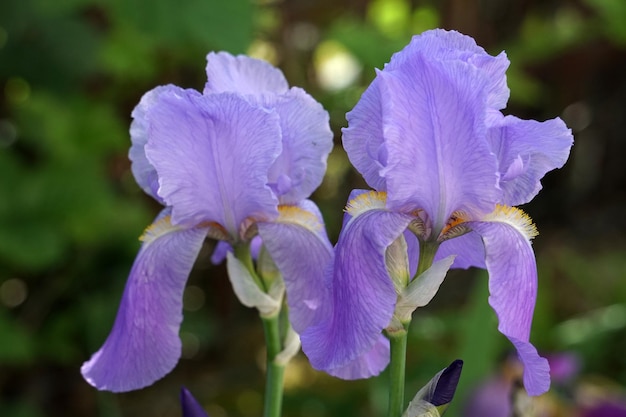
[(239, 159), (446, 164)]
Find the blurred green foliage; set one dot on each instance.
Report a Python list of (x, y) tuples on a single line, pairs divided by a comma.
[(70, 213)]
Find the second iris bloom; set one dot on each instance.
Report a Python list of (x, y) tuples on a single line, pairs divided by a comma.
[(236, 161)]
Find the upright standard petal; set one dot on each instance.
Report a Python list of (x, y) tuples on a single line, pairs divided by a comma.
[(526, 151), (144, 344), (451, 46), (307, 140), (298, 245), (363, 296), (243, 75), (212, 155), (513, 290), (364, 140), (437, 159), (142, 169)]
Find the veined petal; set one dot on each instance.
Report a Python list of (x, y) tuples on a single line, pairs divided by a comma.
[(368, 364), (437, 157), (364, 140), (362, 294), (451, 46), (144, 344), (307, 141), (299, 247), (513, 287), (526, 151), (242, 74), (212, 155), (142, 169)]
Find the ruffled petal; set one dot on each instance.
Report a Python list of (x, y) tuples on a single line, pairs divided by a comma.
[(212, 155), (144, 344), (451, 46), (307, 141), (526, 151), (299, 247), (363, 139), (142, 169), (242, 74), (513, 290), (370, 363), (362, 293), (437, 157)]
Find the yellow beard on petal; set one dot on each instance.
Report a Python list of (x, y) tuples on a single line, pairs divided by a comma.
[(297, 215), (158, 229), (365, 202), (514, 217)]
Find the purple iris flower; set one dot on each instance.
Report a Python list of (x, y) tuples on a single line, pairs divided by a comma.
[(234, 162), (447, 168)]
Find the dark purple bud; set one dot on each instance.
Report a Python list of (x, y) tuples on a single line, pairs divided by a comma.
[(191, 407), (446, 386)]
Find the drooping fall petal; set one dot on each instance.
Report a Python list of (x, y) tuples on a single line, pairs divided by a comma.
[(363, 295), (144, 345)]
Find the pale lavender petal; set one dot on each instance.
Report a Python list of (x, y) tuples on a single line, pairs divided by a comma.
[(303, 254), (526, 151), (307, 141), (451, 46), (242, 74), (363, 295), (212, 155), (191, 407), (142, 169), (144, 344), (370, 363), (468, 248), (513, 290), (438, 159), (363, 139)]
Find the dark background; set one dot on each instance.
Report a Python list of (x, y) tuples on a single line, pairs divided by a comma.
[(70, 212)]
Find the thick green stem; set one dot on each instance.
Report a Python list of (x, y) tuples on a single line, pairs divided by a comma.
[(275, 372), (397, 365)]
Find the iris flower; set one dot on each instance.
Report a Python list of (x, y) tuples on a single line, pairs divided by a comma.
[(447, 168), (234, 162)]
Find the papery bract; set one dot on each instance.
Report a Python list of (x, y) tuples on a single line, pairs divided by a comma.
[(428, 136), (236, 161)]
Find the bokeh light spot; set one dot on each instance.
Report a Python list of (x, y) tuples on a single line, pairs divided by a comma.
[(13, 292)]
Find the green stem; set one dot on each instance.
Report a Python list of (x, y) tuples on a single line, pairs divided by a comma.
[(398, 340), (271, 327), (397, 366), (275, 372)]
